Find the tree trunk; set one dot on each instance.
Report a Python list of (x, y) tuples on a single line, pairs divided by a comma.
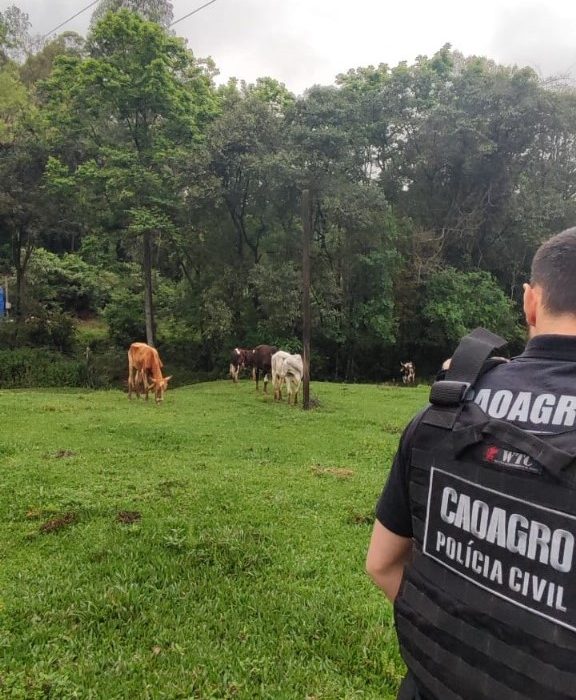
[(21, 252), (18, 297), (148, 297)]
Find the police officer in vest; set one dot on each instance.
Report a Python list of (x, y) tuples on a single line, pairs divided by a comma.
[(474, 539)]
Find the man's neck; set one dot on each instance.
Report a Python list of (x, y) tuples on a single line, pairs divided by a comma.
[(554, 325)]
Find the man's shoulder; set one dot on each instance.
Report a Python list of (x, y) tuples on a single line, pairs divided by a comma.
[(537, 395)]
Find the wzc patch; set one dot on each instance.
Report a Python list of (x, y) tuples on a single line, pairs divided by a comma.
[(516, 549)]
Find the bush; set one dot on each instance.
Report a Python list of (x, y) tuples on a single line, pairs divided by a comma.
[(125, 317), (68, 283), (29, 367), (106, 369), (457, 302), (23, 368), (48, 330)]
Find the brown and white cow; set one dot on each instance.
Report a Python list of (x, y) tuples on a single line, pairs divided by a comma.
[(408, 371), (145, 371), (291, 371), (240, 358), (262, 363)]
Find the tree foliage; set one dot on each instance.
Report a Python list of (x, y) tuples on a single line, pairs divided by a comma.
[(160, 11), (15, 40), (147, 193)]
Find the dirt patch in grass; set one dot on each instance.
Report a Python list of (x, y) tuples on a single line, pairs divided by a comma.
[(167, 488), (61, 454), (34, 514), (59, 522), (127, 517), (338, 472), (356, 518), (392, 428)]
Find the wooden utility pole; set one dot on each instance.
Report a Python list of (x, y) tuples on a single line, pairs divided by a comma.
[(148, 296), (306, 238)]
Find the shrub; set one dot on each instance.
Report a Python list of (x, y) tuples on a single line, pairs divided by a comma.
[(106, 369), (29, 367), (68, 283), (52, 330), (125, 317), (457, 302)]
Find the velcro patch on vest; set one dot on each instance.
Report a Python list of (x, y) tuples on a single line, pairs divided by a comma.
[(493, 454), (518, 550)]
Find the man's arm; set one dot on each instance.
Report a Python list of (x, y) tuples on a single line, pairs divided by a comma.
[(391, 544), (388, 553)]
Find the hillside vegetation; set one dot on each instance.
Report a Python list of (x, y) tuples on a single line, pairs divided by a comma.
[(138, 193)]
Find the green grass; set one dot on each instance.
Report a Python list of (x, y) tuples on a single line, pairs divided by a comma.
[(243, 577)]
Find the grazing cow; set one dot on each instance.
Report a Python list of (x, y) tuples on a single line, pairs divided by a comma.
[(239, 359), (262, 363), (145, 371), (276, 366), (408, 371), (291, 372)]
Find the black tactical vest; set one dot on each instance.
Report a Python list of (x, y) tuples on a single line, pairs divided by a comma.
[(487, 607)]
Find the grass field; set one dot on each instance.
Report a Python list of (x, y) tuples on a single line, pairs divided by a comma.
[(212, 547)]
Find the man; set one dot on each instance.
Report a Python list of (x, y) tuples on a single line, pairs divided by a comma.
[(474, 539)]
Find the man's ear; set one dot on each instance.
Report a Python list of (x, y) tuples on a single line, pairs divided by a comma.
[(531, 302)]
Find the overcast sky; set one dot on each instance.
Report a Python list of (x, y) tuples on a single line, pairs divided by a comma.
[(302, 42)]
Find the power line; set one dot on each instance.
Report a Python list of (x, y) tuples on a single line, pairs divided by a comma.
[(95, 2), (193, 12), (70, 18)]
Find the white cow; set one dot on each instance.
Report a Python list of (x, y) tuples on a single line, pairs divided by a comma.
[(277, 361), (292, 371)]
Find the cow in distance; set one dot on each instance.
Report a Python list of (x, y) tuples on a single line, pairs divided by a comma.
[(262, 363), (408, 371), (291, 372), (240, 358), (276, 367), (145, 372)]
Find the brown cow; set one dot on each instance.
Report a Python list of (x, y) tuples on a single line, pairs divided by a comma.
[(262, 362), (145, 371)]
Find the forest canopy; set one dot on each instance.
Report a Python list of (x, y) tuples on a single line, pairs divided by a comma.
[(142, 200)]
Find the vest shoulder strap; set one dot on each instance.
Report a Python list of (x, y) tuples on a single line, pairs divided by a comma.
[(467, 364)]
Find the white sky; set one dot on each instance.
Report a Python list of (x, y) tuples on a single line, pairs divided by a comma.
[(302, 42)]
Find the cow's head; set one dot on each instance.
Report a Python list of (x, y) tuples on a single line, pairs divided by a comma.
[(159, 386)]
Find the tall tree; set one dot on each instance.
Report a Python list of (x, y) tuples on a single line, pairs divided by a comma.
[(160, 11), (25, 208), (138, 101), (15, 39), (38, 66)]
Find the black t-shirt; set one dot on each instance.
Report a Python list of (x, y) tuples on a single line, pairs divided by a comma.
[(535, 391)]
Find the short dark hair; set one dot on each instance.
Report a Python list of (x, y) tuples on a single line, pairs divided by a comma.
[(554, 269)]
